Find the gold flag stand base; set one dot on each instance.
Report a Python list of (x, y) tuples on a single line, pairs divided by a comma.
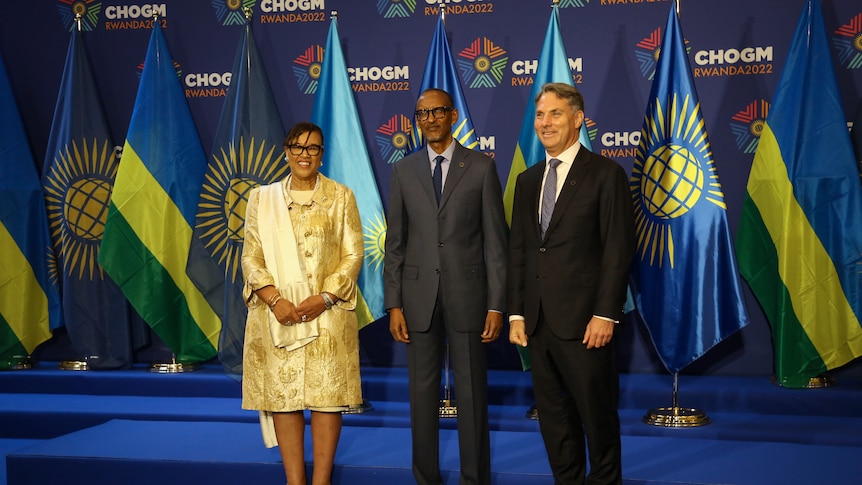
[(818, 382), (676, 417), (362, 408), (448, 409), (19, 363), (174, 367), (73, 365)]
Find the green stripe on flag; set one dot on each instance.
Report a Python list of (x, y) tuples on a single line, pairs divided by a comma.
[(23, 304)]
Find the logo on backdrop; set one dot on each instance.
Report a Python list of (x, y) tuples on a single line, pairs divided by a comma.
[(89, 11), (628, 2), (291, 11), (134, 16), (458, 7), (392, 138), (230, 12), (848, 43), (523, 71), (396, 8), (379, 78), (80, 184), (206, 84), (752, 60), (647, 51), (177, 66), (482, 64), (747, 125), (618, 144), (573, 3), (307, 67)]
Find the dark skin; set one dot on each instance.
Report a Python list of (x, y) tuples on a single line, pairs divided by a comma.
[(438, 135)]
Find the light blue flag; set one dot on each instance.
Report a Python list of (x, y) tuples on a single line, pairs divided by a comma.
[(553, 66), (247, 152), (346, 160), (148, 234), (440, 73), (29, 299), (78, 176), (684, 276)]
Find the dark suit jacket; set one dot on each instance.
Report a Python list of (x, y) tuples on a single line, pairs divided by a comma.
[(460, 245), (581, 267)]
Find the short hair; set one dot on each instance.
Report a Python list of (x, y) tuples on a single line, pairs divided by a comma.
[(441, 91), (300, 128), (564, 91)]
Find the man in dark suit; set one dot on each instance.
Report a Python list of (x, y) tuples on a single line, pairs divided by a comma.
[(568, 269), (445, 282)]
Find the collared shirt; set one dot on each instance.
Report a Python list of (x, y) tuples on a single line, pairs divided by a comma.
[(567, 159)]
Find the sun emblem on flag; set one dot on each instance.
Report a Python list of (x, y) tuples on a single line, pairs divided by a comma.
[(673, 172), (374, 232), (848, 43), (396, 8), (89, 11), (747, 125), (307, 69), (482, 63), (393, 138), (77, 192), (231, 12), (231, 174)]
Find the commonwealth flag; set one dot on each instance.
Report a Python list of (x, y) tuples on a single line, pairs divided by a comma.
[(79, 171), (346, 160), (553, 67), (684, 277), (440, 73), (152, 211), (247, 152), (799, 242), (29, 299)]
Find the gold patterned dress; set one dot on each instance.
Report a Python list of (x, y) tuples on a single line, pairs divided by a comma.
[(324, 373)]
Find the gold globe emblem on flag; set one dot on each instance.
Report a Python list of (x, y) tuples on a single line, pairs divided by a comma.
[(672, 181), (86, 207), (235, 201)]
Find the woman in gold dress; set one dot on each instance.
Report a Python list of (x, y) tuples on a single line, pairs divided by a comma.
[(301, 258)]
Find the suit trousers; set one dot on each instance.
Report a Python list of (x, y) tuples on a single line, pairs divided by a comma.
[(425, 354), (577, 396)]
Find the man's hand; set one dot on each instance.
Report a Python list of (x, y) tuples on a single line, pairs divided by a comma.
[(493, 324), (599, 333), (398, 326), (518, 333)]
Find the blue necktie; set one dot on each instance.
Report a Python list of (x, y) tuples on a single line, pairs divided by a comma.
[(549, 195), (437, 177)]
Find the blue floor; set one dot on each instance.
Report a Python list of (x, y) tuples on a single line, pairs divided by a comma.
[(139, 427)]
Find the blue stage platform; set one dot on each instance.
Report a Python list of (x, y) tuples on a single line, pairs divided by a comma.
[(134, 426)]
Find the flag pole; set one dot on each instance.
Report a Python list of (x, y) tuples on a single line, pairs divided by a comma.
[(675, 416)]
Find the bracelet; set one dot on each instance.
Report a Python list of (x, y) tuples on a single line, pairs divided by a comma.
[(273, 300), (327, 300)]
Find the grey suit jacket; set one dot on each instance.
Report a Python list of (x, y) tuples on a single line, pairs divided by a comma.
[(459, 247)]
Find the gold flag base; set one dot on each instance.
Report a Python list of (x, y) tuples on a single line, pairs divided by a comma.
[(818, 382), (73, 365), (676, 417), (173, 367), (18, 363), (362, 408), (448, 408)]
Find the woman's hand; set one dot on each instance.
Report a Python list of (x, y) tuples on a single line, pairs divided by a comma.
[(310, 308), (285, 312)]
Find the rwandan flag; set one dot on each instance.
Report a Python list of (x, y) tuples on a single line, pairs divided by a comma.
[(799, 242), (149, 229), (553, 66), (684, 276), (79, 171), (440, 73), (29, 301), (346, 160), (247, 152)]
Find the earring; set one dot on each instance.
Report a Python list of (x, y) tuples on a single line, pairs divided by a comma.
[(286, 159)]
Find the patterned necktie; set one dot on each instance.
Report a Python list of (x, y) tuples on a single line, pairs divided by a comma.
[(437, 177), (549, 195)]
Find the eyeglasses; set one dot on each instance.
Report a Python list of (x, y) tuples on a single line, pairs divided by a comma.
[(312, 150), (438, 112)]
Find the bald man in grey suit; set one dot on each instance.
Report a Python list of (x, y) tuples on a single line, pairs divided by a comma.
[(445, 281)]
